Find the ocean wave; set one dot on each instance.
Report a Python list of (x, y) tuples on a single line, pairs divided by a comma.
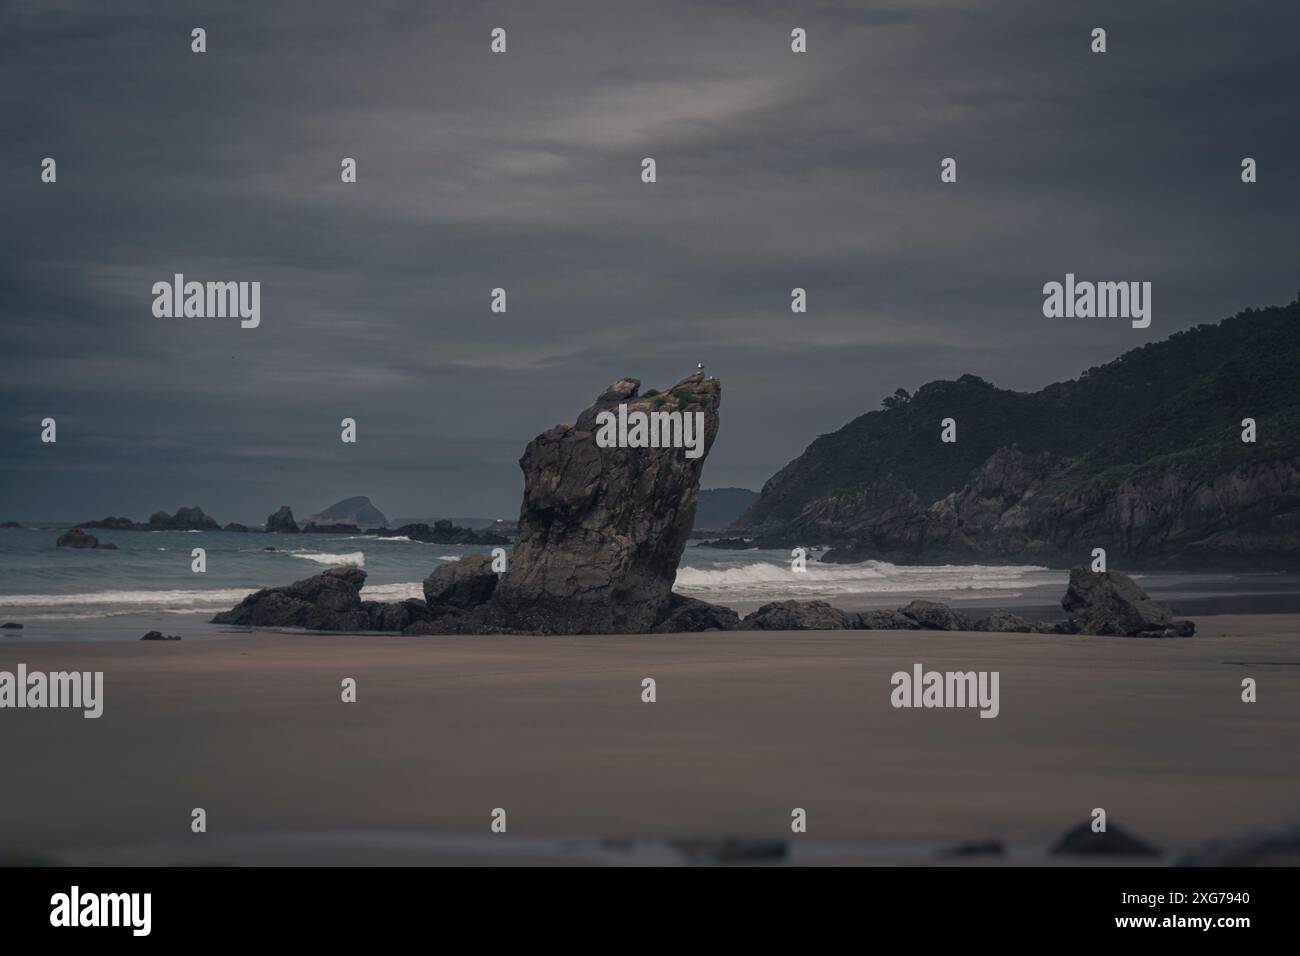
[(765, 578), (354, 558), (98, 604), (139, 600)]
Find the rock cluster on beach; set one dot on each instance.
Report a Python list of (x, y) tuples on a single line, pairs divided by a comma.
[(601, 532)]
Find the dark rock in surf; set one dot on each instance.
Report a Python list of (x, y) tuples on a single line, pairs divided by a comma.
[(281, 522)]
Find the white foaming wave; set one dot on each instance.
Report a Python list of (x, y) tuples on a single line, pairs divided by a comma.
[(355, 558), (868, 577), (379, 537), (135, 599)]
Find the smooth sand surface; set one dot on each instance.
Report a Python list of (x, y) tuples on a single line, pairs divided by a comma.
[(747, 726)]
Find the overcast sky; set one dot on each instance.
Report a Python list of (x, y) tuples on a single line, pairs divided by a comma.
[(522, 170)]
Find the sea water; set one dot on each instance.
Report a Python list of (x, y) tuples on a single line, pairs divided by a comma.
[(81, 593)]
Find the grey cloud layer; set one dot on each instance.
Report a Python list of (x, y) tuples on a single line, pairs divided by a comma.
[(521, 171)]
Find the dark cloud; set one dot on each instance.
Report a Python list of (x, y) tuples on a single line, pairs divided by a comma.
[(522, 171)]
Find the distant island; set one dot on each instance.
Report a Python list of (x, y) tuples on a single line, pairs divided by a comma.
[(357, 511), (1181, 453)]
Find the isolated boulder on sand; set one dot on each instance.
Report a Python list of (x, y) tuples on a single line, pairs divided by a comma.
[(1111, 603)]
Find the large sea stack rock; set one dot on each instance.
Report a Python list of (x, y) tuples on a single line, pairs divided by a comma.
[(601, 530), (1108, 602), (282, 521)]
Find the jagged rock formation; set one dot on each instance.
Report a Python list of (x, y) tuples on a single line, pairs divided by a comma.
[(1143, 457), (601, 530), (281, 522), (76, 538)]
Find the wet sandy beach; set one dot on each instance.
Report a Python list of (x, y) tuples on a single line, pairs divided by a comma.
[(746, 727)]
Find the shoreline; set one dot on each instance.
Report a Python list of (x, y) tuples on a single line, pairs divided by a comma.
[(197, 625)]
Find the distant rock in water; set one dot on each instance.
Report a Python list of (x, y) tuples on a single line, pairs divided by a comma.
[(11, 626), (1108, 602), (356, 511), (185, 519), (10, 524), (282, 521), (442, 532), (313, 528), (76, 538), (114, 524), (235, 526)]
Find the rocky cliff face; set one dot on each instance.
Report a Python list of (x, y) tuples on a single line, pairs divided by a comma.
[(1014, 509), (1143, 456), (601, 530)]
